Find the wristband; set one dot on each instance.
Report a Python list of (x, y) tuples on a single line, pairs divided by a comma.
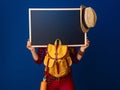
[(80, 52)]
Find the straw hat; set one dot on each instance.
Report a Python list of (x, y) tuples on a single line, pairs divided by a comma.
[(88, 18)]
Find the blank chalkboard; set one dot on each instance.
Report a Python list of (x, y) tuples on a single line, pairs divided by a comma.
[(48, 24)]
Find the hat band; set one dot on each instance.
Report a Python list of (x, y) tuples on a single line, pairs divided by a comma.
[(83, 19)]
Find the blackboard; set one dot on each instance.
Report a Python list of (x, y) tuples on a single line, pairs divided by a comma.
[(48, 24)]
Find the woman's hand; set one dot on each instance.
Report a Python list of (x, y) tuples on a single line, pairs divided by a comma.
[(82, 49), (29, 46), (32, 49)]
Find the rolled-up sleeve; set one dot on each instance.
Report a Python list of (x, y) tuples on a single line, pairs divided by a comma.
[(73, 54), (41, 54)]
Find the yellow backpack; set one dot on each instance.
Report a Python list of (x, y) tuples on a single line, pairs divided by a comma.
[(57, 59)]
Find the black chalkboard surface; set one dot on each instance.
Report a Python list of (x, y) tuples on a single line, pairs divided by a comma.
[(48, 24)]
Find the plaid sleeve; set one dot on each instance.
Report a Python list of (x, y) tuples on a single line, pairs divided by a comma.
[(41, 54), (73, 54)]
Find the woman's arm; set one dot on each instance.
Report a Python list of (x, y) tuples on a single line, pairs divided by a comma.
[(32, 50), (38, 56), (82, 50)]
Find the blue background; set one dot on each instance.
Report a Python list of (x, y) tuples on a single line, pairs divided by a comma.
[(100, 66)]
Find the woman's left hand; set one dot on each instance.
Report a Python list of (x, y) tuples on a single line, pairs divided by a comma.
[(82, 48)]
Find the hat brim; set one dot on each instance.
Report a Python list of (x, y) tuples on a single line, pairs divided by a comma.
[(82, 23)]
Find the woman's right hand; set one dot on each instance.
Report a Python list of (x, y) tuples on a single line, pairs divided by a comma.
[(29, 46)]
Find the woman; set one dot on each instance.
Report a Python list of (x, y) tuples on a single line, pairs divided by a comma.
[(64, 82)]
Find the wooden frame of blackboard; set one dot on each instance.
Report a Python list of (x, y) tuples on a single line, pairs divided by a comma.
[(52, 9)]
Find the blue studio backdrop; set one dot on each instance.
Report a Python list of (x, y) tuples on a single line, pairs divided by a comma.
[(100, 66)]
